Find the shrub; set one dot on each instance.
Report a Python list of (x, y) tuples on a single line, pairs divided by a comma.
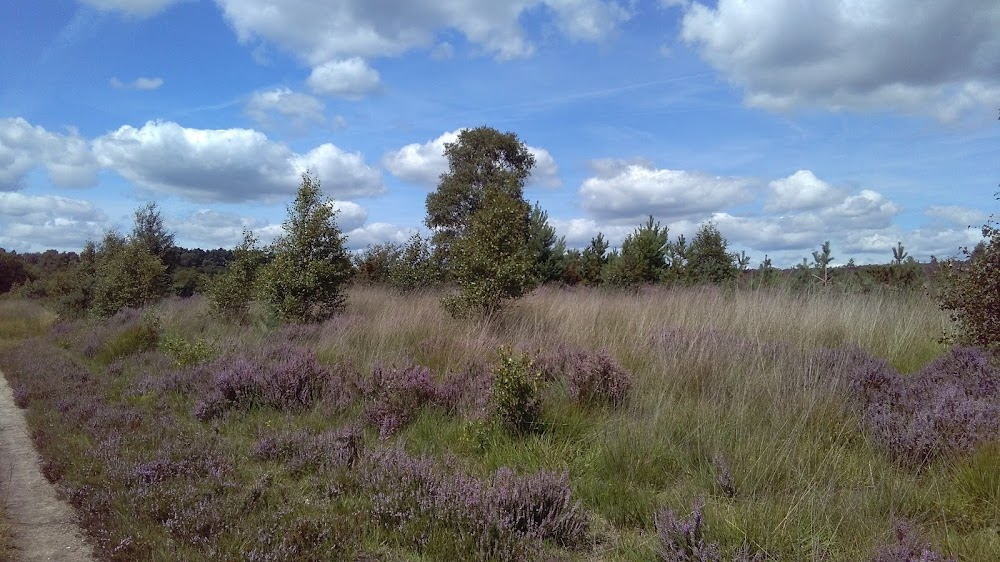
[(683, 540), (232, 291), (135, 337), (185, 352), (948, 408), (396, 395), (126, 275), (971, 290), (540, 505), (515, 398)]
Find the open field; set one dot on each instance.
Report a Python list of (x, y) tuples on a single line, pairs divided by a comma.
[(177, 436)]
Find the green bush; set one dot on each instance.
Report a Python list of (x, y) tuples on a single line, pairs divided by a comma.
[(515, 394), (186, 352), (971, 290), (134, 339), (232, 292)]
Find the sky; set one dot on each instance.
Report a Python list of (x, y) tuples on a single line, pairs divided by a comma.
[(786, 123)]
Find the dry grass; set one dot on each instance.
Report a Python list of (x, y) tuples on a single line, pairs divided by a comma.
[(21, 318)]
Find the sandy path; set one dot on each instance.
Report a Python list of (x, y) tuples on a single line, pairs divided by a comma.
[(44, 527)]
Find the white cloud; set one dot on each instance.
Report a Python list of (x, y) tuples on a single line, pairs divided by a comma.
[(420, 163), (138, 8), (957, 216), (227, 164), (41, 222), (330, 35), (801, 190), (590, 20), (423, 164), (209, 228), (350, 215), (628, 192), (347, 78), (377, 233), (23, 147), (924, 56), (141, 83), (300, 110)]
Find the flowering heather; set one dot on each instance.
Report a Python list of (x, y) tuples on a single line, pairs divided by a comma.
[(396, 396), (592, 378), (303, 450), (284, 378), (948, 408), (503, 518), (908, 547)]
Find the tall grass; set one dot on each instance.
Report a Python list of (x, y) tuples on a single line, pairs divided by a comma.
[(732, 402), (22, 318)]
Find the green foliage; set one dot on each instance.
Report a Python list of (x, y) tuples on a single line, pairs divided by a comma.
[(899, 254), (303, 283), (592, 260), (707, 258), (492, 262), (148, 231), (416, 266), (375, 263), (821, 261), (515, 393), (970, 291), (12, 271), (548, 250), (126, 275), (643, 257), (231, 292), (479, 160), (766, 274), (186, 352)]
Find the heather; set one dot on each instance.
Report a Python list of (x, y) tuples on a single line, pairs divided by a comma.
[(582, 424)]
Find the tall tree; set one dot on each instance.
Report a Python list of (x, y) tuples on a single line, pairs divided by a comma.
[(303, 282), (149, 231), (548, 250), (480, 158)]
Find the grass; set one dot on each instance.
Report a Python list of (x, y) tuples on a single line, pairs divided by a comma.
[(729, 404)]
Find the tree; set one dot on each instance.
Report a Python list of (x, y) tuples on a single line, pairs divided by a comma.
[(492, 262), (12, 271), (821, 261), (126, 275), (643, 257), (549, 251), (970, 291), (898, 254), (303, 282), (593, 259), (707, 258), (232, 291), (149, 231), (480, 159)]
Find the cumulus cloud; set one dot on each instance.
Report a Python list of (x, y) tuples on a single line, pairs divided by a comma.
[(923, 56), (377, 233), (294, 108), (41, 222), (627, 192), (423, 163), (138, 8), (140, 83), (348, 78), (337, 39), (801, 190), (350, 215), (227, 164), (23, 147)]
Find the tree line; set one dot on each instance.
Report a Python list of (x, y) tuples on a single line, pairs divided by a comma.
[(488, 246)]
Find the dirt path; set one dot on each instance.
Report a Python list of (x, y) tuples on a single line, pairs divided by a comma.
[(44, 527)]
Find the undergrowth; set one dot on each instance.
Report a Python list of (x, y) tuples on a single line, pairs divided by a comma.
[(580, 425)]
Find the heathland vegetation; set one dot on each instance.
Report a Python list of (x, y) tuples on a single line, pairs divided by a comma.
[(489, 394)]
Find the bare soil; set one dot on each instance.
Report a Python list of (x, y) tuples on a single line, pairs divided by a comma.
[(44, 527)]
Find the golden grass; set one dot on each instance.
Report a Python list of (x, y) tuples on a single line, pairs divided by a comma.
[(22, 318)]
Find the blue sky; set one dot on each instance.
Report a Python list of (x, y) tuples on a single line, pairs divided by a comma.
[(785, 122)]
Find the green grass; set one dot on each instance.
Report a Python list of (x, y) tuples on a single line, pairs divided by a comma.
[(20, 318), (717, 374)]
